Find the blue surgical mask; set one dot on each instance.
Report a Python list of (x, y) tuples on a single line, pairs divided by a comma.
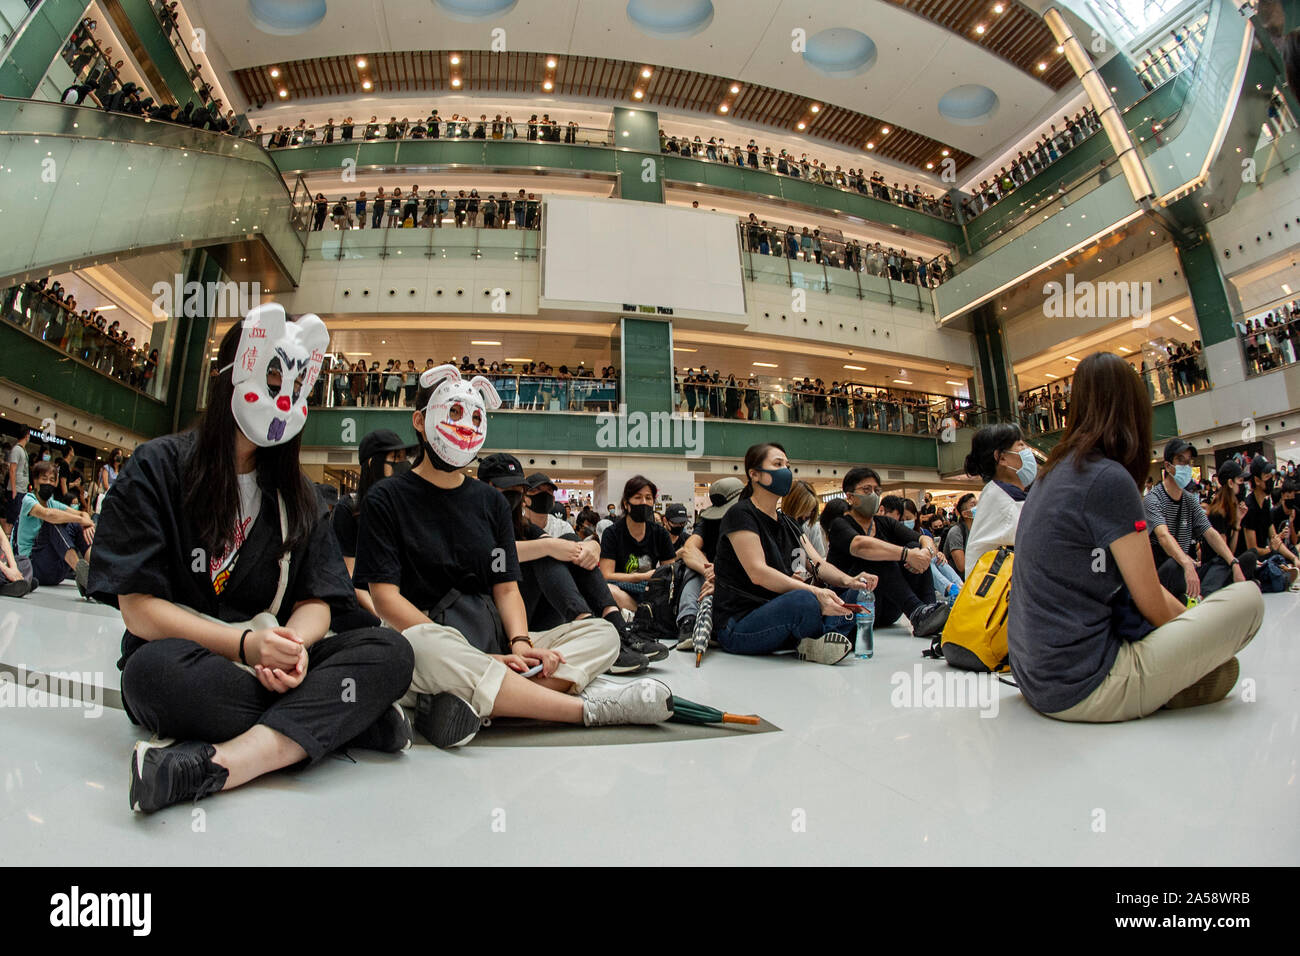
[(782, 479), (1028, 469), (910, 523), (1182, 475)]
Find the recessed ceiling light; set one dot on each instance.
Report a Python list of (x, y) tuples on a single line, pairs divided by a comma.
[(929, 165), (735, 87), (283, 94), (1060, 49), (998, 8), (682, 348), (980, 29), (275, 74), (722, 108), (518, 360), (455, 81), (483, 342), (958, 384), (901, 381), (1125, 349), (871, 145), (1050, 375), (764, 364), (367, 85), (550, 63), (645, 74), (361, 63), (548, 85), (944, 153), (1286, 288), (857, 368), (801, 124), (455, 60), (1071, 358), (1042, 67), (815, 108), (637, 95)]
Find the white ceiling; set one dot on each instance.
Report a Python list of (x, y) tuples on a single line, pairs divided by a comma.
[(748, 40)]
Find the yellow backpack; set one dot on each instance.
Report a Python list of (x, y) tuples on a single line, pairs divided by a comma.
[(975, 637)]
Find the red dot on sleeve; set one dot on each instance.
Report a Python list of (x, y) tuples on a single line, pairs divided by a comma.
[(1139, 525)]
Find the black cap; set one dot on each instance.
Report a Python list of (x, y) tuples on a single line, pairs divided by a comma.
[(1261, 466), (538, 480), (380, 442), (501, 470), (1177, 446), (1229, 470), (675, 513)]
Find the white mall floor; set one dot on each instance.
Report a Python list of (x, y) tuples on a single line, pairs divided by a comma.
[(850, 779)]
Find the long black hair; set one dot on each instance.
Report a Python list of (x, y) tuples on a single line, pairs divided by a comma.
[(754, 458), (211, 487), (372, 470)]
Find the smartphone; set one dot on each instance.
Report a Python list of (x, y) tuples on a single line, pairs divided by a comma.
[(532, 671)]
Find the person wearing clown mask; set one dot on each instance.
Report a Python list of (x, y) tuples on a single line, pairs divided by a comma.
[(241, 621), (437, 552)]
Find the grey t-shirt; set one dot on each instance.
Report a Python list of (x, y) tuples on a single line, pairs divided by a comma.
[(955, 540), (18, 455), (1059, 632)]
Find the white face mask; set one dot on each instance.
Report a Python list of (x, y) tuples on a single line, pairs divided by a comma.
[(455, 420), (272, 416)]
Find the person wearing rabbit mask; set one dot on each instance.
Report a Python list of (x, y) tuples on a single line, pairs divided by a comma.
[(436, 550), (241, 620)]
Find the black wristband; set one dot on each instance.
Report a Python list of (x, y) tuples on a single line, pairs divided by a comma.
[(247, 631), (513, 640), (902, 558)]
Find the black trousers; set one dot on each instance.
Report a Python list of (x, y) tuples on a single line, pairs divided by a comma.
[(556, 592), (1214, 574), (900, 591), (180, 689)]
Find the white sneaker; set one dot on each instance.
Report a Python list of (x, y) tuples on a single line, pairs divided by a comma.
[(831, 648), (644, 701)]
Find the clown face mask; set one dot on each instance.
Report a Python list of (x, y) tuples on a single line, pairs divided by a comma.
[(455, 420), (276, 365)]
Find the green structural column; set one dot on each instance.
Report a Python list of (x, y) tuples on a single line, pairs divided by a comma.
[(991, 372), (43, 36), (640, 176), (646, 362), (189, 355), (1212, 299), (137, 22)]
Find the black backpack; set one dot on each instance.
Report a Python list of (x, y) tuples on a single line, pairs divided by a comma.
[(656, 618)]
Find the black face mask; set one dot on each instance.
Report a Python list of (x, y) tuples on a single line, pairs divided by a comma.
[(642, 513), (45, 492), (399, 467), (513, 496), (543, 502)]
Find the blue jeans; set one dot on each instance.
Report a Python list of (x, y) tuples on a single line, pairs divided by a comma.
[(779, 625), (944, 576)]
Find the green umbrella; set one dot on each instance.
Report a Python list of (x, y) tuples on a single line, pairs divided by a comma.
[(688, 712), (703, 629)]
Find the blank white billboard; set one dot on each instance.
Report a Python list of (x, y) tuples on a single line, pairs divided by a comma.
[(611, 252)]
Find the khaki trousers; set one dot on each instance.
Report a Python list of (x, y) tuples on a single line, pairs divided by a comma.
[(1148, 672), (446, 662)]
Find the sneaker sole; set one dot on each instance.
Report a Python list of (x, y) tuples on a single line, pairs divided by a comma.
[(659, 655), (138, 752), (629, 668), (818, 651), (447, 722), (1214, 686)]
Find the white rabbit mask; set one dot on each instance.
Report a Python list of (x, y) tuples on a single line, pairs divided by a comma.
[(271, 415), (455, 418)]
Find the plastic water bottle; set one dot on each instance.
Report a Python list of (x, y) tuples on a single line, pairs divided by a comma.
[(864, 623)]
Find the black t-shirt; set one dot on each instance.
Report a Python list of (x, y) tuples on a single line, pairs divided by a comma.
[(145, 543), (678, 540), (1258, 519), (428, 540), (65, 470), (707, 529), (634, 557), (1220, 524), (346, 525), (844, 529), (736, 595)]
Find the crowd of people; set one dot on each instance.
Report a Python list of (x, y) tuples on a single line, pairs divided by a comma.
[(98, 81), (811, 170), (1051, 145), (49, 312), (810, 245), (1272, 340), (545, 130), (1180, 370), (428, 211), (1161, 63), (462, 599)]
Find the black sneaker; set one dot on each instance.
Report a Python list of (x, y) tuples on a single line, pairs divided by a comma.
[(81, 574), (686, 630), (653, 650), (445, 720), (163, 773), (389, 734), (14, 588), (629, 661), (928, 619)]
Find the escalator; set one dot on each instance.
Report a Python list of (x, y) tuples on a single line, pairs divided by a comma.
[(84, 187)]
